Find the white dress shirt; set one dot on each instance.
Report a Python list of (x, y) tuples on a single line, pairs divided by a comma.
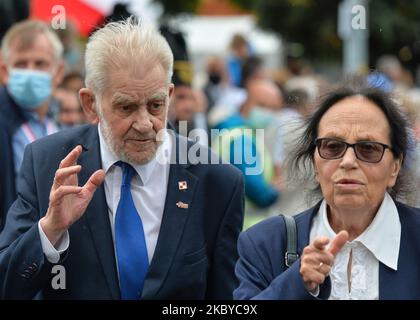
[(148, 189), (380, 242)]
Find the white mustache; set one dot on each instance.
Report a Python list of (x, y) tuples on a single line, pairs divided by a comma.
[(140, 138)]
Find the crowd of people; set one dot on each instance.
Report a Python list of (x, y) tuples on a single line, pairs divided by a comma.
[(95, 177)]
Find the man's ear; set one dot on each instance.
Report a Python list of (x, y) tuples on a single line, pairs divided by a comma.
[(170, 113), (171, 90), (88, 102), (4, 73), (58, 75)]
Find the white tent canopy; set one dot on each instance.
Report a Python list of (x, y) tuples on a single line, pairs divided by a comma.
[(212, 34), (206, 35)]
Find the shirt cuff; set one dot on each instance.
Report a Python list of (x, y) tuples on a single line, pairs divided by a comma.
[(315, 294), (53, 253)]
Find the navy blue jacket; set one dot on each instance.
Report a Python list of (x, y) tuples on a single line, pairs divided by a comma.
[(11, 118), (196, 249), (262, 273)]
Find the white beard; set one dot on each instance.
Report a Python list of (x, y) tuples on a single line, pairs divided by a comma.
[(119, 151)]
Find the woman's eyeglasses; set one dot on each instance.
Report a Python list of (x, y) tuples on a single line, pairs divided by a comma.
[(368, 151)]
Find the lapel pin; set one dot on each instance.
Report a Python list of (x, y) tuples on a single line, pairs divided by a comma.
[(182, 205), (182, 185)]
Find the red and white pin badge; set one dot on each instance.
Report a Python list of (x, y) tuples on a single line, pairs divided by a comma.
[(182, 185)]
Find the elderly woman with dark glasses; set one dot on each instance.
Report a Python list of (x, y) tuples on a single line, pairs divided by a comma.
[(358, 241)]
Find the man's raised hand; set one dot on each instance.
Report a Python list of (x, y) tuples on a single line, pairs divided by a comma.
[(68, 200)]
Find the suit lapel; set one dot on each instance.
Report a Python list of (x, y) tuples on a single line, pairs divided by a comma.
[(172, 227), (391, 281), (97, 212), (387, 285), (304, 228)]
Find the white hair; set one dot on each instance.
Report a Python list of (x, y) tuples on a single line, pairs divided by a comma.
[(125, 45), (25, 32)]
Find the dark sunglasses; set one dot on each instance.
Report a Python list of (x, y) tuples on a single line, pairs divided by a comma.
[(368, 151)]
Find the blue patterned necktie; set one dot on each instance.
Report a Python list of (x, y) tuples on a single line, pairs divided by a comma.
[(129, 240)]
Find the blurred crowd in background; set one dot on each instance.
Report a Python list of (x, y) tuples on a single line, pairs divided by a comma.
[(238, 91)]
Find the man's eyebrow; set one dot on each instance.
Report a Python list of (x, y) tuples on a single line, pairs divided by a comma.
[(158, 96), (121, 98)]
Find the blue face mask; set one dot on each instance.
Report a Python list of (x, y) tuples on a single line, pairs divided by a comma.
[(260, 118), (29, 88)]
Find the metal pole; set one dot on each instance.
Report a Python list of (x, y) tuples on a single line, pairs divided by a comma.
[(354, 31)]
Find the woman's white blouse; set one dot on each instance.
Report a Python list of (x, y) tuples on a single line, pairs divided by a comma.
[(380, 242)]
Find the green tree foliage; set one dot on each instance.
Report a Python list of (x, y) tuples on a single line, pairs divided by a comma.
[(173, 7), (313, 23), (395, 28)]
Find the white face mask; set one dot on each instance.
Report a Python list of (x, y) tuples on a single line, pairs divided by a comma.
[(260, 118)]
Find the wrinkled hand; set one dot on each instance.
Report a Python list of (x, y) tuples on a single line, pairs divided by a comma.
[(68, 201), (317, 261)]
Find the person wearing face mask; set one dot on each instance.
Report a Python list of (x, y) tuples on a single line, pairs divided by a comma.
[(360, 241), (32, 67), (113, 202), (220, 93), (217, 81), (240, 142)]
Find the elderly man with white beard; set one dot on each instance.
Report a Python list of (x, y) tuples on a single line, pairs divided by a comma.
[(99, 205)]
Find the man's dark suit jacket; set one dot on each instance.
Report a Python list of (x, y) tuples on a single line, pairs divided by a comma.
[(263, 274), (196, 248), (11, 118)]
